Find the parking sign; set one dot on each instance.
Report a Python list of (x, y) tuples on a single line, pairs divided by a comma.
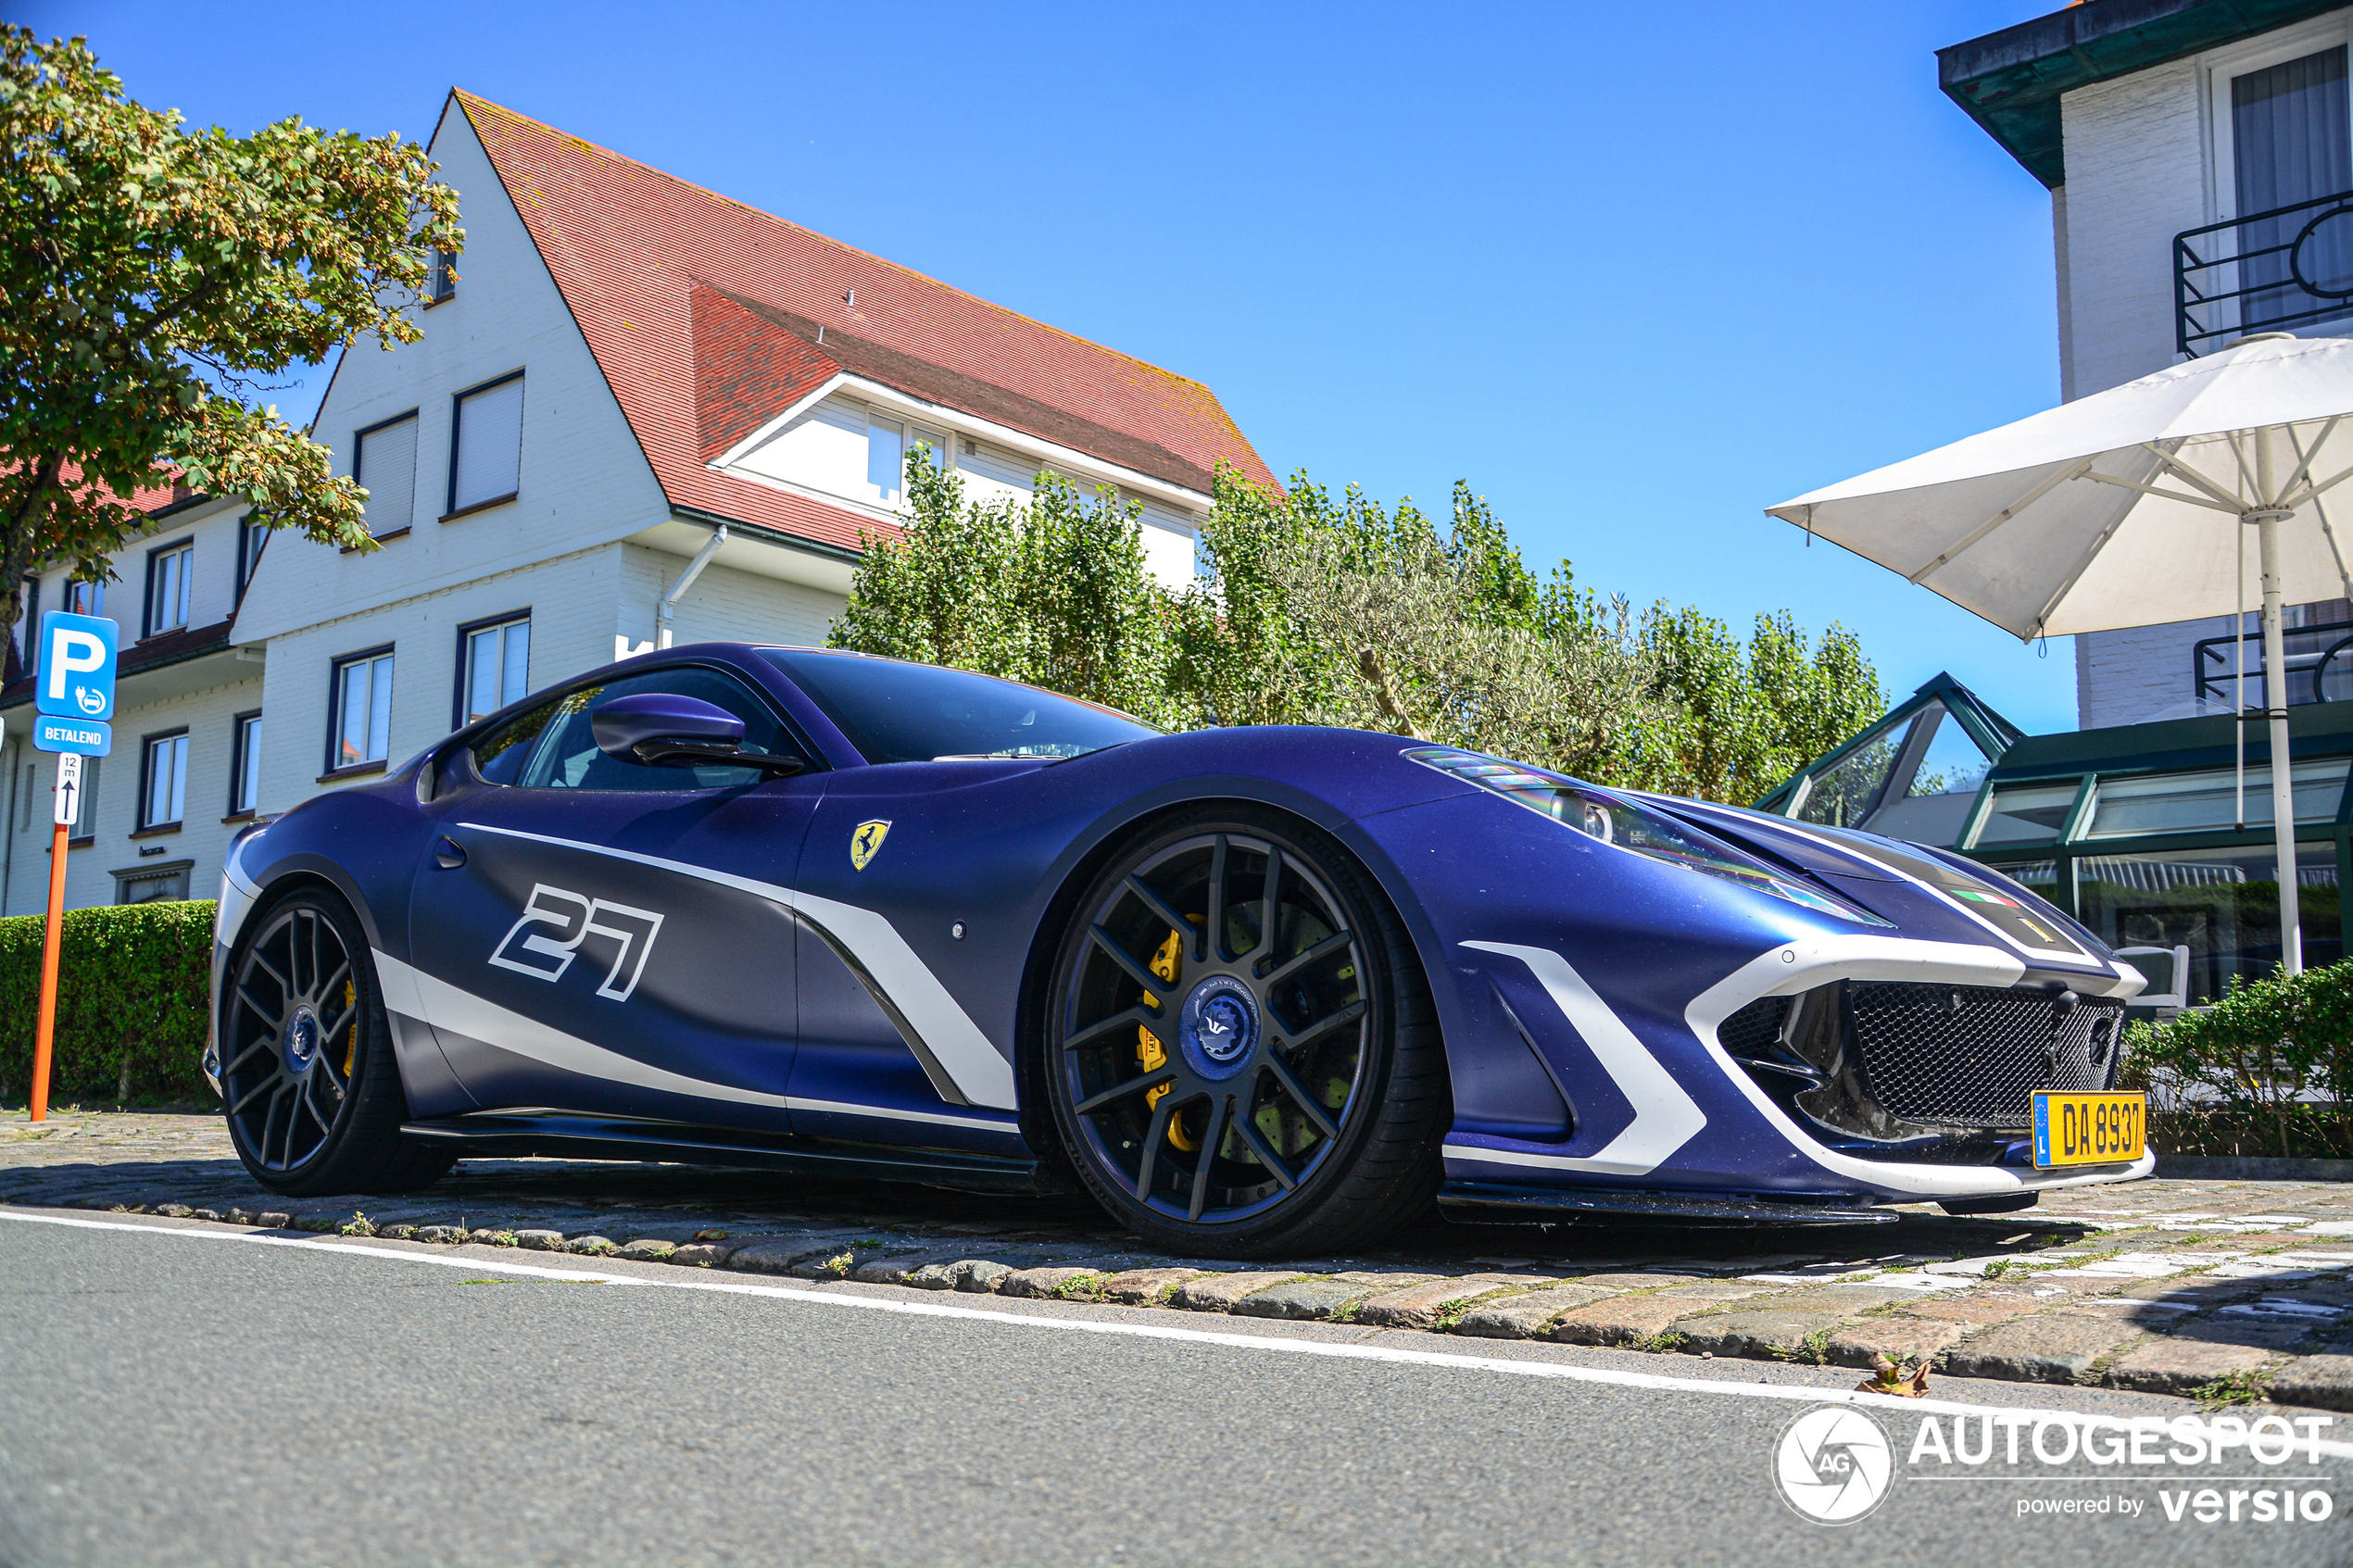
[(75, 677)]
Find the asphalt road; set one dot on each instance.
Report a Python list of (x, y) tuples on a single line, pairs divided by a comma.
[(167, 1399)]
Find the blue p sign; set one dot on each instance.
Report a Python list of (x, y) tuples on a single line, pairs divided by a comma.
[(75, 678)]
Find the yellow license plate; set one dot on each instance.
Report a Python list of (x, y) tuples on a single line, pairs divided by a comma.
[(2074, 1129)]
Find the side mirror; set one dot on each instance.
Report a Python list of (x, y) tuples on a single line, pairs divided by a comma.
[(657, 729)]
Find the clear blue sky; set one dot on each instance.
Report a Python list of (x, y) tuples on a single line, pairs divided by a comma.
[(1635, 271)]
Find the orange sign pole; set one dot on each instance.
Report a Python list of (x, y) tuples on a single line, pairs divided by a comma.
[(69, 786)]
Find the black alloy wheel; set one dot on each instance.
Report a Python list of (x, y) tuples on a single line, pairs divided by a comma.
[(311, 1088), (1241, 1053)]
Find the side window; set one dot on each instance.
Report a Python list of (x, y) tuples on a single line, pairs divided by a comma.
[(567, 756), (499, 755)]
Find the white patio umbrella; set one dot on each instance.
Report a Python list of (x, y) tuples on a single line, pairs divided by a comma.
[(2130, 508)]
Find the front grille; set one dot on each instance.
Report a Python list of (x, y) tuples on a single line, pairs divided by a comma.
[(1755, 1030), (1972, 1056)]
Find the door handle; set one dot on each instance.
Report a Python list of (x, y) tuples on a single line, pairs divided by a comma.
[(448, 855)]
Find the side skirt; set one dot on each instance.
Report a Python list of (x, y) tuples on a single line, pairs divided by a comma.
[(492, 1135), (1507, 1203)]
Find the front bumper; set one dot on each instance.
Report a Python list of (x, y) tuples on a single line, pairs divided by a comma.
[(1729, 1139)]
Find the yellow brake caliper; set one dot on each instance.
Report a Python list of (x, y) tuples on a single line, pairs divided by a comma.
[(1167, 964), (351, 1052)]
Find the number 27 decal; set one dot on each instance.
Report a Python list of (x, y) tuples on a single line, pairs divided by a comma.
[(569, 918)]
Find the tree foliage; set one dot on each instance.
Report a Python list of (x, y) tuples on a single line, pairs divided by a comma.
[(1319, 609), (153, 278), (1053, 592)]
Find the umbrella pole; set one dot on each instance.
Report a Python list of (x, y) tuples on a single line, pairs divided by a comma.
[(2267, 534)]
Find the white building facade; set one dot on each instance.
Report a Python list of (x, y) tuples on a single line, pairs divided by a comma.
[(2199, 155), (639, 414)]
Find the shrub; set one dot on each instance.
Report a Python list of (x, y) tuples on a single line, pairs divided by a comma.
[(2273, 1055), (132, 985)]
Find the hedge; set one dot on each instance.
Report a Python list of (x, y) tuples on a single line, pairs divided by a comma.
[(132, 989), (2267, 1070)]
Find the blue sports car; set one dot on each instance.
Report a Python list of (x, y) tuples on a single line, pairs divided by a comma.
[(1260, 991)]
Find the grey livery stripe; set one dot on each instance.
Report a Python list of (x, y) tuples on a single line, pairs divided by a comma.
[(413, 991), (953, 1040)]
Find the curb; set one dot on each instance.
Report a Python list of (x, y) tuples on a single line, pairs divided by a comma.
[(2251, 1168)]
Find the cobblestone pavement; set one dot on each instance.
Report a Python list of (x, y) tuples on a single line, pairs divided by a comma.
[(2220, 1290)]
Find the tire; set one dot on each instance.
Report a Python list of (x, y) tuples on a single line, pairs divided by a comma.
[(1263, 1093), (309, 1083)]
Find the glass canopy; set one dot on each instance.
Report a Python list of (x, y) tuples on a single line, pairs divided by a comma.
[(2144, 831)]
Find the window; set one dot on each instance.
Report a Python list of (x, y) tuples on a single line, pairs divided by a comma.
[(887, 443), (494, 667), (244, 765), (251, 537), (2223, 905), (169, 578), (895, 712), (153, 885), (441, 278), (2027, 814), (567, 756), (163, 790), (87, 598), (385, 466), (485, 446), (85, 810), (360, 725), (2291, 144), (29, 623), (2210, 800)]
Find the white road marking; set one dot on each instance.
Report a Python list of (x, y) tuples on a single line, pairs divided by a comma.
[(1605, 1375)]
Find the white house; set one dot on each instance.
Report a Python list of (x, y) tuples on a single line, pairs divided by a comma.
[(2199, 155), (640, 412)]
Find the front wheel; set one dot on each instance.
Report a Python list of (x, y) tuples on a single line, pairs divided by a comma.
[(1242, 1052), (308, 1073)]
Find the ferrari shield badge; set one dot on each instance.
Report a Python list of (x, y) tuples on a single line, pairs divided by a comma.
[(864, 841)]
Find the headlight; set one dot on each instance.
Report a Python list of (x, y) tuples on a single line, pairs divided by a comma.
[(1637, 829)]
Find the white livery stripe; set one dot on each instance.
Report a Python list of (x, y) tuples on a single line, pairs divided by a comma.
[(984, 1077), (412, 991), (1665, 1117)]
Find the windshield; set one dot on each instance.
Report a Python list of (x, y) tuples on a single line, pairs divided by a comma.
[(896, 712)]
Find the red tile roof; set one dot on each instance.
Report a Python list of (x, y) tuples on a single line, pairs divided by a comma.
[(702, 313)]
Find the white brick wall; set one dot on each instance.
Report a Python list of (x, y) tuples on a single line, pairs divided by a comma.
[(2138, 173), (2135, 676), (2135, 178)]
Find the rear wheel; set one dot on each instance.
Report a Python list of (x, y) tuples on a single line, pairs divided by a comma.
[(1241, 1053), (311, 1088)]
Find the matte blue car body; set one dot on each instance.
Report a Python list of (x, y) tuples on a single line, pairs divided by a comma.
[(980, 860)]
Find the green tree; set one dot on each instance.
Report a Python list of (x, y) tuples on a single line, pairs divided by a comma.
[(152, 279), (1053, 591), (1748, 716), (1323, 608)]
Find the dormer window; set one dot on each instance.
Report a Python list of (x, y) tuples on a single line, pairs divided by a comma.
[(170, 581)]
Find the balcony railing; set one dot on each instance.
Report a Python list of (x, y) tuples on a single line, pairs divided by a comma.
[(2268, 272), (2319, 659)]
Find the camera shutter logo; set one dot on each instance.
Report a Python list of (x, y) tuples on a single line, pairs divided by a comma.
[(1833, 1464)]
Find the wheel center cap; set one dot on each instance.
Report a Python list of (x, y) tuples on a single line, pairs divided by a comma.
[(302, 1039), (1219, 1024)]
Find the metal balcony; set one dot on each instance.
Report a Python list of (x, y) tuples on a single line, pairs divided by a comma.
[(2270, 272), (2319, 661)]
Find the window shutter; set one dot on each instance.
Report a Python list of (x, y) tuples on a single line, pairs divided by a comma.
[(490, 438), (387, 470)]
